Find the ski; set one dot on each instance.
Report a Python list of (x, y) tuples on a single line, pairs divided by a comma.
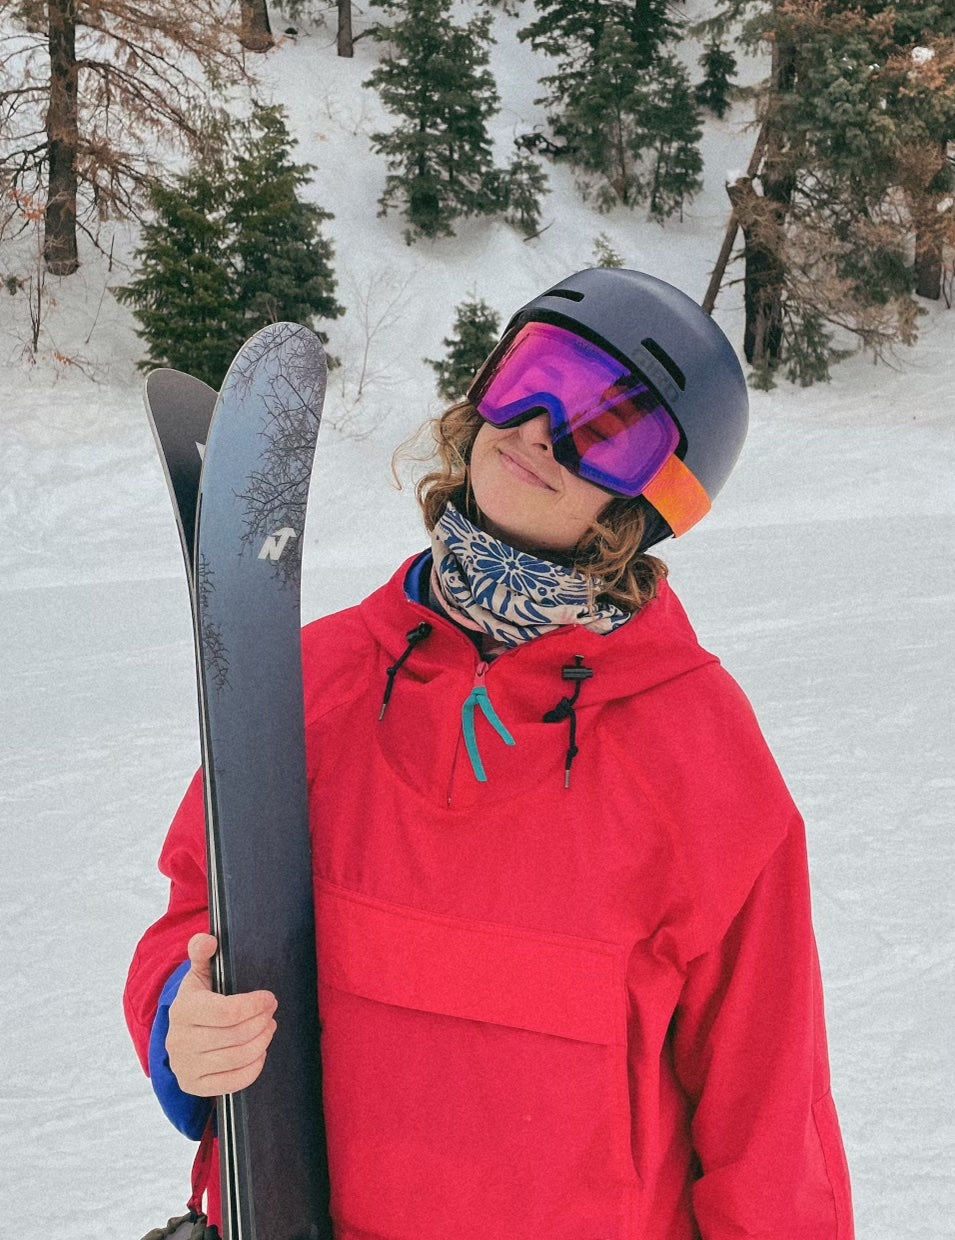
[(180, 408), (241, 513)]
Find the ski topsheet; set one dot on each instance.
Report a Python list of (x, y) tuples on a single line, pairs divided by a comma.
[(244, 566)]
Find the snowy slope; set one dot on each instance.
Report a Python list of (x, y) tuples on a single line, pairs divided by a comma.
[(824, 581)]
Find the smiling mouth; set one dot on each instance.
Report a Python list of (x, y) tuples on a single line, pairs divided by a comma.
[(523, 472)]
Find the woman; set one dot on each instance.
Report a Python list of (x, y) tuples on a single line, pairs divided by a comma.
[(568, 980)]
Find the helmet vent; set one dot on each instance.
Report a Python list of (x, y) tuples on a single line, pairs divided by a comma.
[(569, 293), (667, 362)]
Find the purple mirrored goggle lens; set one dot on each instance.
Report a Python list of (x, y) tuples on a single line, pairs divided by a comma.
[(606, 425)]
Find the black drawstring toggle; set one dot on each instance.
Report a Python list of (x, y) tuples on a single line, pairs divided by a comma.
[(413, 637), (565, 708)]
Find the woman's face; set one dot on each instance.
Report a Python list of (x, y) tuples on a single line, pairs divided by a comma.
[(527, 498)]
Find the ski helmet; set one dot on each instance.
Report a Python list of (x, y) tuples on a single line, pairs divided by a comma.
[(686, 361)]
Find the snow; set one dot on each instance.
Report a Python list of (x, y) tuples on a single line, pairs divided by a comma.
[(824, 579)]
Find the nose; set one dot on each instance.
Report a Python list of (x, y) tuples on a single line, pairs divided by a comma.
[(535, 432)]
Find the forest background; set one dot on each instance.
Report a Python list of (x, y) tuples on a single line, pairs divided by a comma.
[(845, 207), (173, 175)]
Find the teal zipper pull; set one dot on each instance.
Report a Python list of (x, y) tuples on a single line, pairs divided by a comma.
[(478, 697)]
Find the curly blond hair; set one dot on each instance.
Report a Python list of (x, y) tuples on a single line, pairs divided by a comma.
[(608, 555)]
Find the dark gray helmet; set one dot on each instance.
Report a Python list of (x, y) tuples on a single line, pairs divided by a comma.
[(683, 355)]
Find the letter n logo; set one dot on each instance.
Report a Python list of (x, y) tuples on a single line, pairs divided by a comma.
[(274, 546)]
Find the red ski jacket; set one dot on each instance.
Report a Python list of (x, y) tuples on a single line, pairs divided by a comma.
[(550, 1012)]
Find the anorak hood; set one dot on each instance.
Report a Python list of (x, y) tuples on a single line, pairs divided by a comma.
[(655, 646), (521, 686)]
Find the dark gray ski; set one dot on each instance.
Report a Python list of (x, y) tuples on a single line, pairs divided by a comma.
[(180, 410), (244, 566)]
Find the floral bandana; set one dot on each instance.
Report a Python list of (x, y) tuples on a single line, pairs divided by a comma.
[(508, 594)]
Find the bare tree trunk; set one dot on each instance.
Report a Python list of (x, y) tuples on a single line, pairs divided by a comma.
[(62, 131), (928, 266), (732, 227), (255, 33), (764, 226), (346, 44), (763, 273), (929, 240)]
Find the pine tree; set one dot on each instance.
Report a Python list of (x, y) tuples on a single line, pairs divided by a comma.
[(435, 79), (604, 253), (231, 247), (283, 263), (868, 117), (607, 102), (474, 335), (183, 291), (571, 33), (920, 81), (718, 65), (635, 134), (669, 134), (525, 182), (852, 178), (599, 121)]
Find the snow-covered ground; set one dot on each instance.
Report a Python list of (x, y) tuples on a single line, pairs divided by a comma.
[(824, 580)]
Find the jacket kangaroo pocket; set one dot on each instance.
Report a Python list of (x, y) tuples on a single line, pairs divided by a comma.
[(475, 1077)]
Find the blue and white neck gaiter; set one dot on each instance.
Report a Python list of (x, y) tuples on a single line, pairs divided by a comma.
[(508, 594)]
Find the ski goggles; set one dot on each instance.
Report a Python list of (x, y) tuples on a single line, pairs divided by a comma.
[(607, 426)]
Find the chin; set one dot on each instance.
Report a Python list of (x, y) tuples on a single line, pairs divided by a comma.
[(506, 533)]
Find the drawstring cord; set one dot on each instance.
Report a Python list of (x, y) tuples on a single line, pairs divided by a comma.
[(416, 635), (565, 709), (479, 697)]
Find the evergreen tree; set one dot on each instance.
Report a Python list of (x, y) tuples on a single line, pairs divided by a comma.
[(599, 121), (525, 182), (571, 33), (282, 262), (475, 333), (435, 79), (853, 179), (231, 247), (718, 65), (669, 134), (183, 291), (920, 88), (608, 105), (604, 253), (635, 134), (575, 35)]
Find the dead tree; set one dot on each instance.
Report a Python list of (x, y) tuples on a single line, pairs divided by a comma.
[(346, 42), (255, 33), (86, 87)]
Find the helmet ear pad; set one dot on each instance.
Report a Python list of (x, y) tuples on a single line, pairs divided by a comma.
[(656, 529)]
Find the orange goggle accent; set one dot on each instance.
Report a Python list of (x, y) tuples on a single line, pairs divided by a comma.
[(678, 496)]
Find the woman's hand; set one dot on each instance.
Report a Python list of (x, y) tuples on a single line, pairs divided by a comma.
[(216, 1043)]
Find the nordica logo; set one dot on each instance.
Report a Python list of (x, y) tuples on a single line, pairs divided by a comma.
[(274, 546)]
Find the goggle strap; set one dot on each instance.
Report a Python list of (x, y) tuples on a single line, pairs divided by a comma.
[(678, 496)]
